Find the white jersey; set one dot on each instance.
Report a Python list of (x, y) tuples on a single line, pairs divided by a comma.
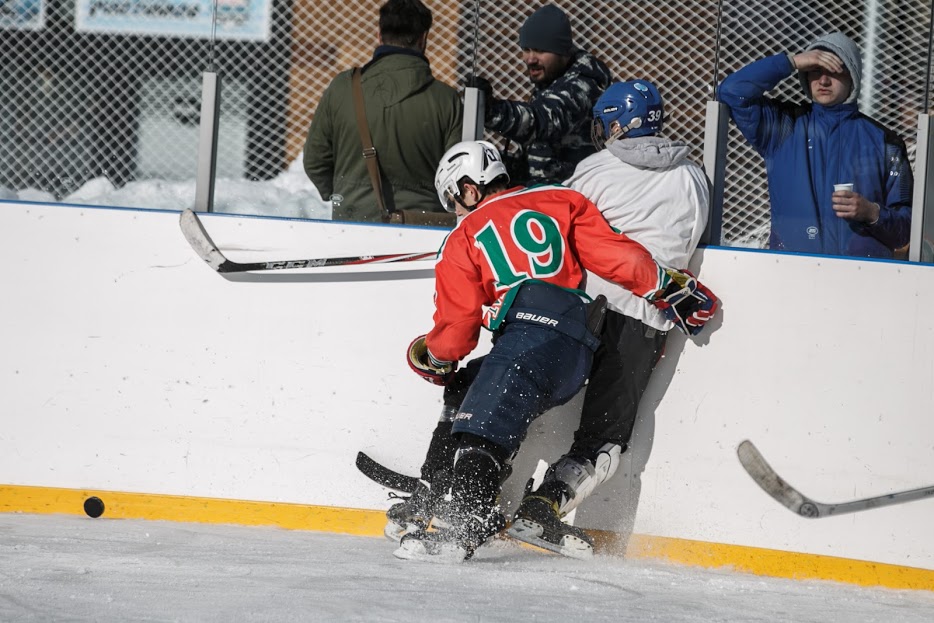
[(648, 189)]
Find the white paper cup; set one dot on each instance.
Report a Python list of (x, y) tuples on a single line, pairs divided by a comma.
[(837, 187)]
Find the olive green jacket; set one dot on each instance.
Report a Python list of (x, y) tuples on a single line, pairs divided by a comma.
[(413, 120)]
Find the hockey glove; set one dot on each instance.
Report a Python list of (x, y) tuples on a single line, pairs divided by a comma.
[(426, 366), (686, 302)]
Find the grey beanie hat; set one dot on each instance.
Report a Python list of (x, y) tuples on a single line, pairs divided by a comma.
[(547, 29), (845, 48)]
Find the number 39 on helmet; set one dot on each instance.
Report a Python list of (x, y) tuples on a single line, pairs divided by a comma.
[(478, 161), (627, 110)]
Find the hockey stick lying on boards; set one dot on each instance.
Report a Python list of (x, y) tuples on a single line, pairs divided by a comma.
[(793, 500), (201, 242), (382, 475)]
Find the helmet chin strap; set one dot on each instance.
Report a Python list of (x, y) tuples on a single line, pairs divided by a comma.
[(635, 123), (454, 201), (481, 195)]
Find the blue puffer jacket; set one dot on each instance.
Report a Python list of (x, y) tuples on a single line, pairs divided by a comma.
[(807, 149)]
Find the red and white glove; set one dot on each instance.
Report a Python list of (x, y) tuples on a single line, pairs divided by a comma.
[(686, 301), (426, 366)]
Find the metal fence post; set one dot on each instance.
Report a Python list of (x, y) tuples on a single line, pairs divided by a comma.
[(922, 204), (207, 142), (716, 125), (473, 114)]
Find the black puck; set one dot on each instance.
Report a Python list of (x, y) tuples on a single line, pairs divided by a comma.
[(94, 507)]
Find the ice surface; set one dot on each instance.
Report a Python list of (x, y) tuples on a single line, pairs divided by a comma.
[(67, 568)]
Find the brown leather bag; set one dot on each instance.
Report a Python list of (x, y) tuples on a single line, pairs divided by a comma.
[(404, 217)]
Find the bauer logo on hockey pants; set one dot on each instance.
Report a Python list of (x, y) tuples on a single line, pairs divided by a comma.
[(551, 322)]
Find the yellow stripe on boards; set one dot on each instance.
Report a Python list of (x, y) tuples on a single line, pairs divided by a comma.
[(778, 563), (14, 498), (359, 522)]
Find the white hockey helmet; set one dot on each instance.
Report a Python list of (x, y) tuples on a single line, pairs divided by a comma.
[(477, 161)]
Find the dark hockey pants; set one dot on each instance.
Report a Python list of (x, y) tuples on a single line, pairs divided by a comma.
[(622, 367), (529, 370), (539, 360)]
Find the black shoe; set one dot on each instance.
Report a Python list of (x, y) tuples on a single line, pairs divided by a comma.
[(537, 522), (413, 513)]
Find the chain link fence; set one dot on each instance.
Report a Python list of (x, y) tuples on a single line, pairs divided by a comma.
[(109, 90)]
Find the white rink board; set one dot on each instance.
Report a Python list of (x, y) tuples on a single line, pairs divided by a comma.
[(826, 364), (131, 366)]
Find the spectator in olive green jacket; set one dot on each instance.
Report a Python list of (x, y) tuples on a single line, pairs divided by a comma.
[(413, 119)]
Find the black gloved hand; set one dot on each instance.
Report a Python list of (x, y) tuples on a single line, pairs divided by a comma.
[(479, 82), (686, 302)]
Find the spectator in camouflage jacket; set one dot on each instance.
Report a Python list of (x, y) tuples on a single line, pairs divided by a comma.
[(552, 129), (413, 119)]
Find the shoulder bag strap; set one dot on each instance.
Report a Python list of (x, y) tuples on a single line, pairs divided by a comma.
[(369, 152)]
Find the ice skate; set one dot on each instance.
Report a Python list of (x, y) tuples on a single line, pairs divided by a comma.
[(438, 546), (414, 513), (453, 544), (537, 522)]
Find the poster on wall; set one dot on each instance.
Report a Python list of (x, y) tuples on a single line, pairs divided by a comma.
[(22, 14), (241, 20)]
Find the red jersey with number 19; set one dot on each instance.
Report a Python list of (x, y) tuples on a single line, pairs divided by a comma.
[(547, 233)]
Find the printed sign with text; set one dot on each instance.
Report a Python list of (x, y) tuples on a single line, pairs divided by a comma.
[(244, 20)]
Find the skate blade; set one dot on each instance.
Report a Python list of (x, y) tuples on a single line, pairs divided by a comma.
[(531, 532), (443, 553), (395, 531)]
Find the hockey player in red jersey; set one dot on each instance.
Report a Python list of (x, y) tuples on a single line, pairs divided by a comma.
[(514, 265)]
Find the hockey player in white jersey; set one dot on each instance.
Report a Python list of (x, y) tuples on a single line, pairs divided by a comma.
[(646, 187)]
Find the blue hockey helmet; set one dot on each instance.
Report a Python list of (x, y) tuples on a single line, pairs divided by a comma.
[(627, 109)]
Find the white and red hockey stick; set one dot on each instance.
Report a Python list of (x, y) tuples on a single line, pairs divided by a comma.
[(201, 242)]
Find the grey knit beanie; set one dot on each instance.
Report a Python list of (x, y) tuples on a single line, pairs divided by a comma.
[(846, 49), (547, 29)]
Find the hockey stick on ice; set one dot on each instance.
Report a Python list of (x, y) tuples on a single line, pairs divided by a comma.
[(382, 475), (201, 242), (793, 500)]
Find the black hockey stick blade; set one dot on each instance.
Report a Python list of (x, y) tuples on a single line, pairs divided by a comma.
[(201, 242), (384, 476), (792, 499)]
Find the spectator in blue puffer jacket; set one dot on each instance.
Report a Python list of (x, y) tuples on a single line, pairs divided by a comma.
[(809, 148)]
